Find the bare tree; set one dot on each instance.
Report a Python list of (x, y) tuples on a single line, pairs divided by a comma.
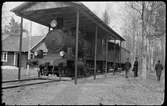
[(106, 17), (152, 18), (14, 27)]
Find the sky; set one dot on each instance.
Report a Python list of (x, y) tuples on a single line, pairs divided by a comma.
[(97, 7), (26, 23)]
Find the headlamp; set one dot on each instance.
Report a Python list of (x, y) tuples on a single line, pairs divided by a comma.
[(53, 23)]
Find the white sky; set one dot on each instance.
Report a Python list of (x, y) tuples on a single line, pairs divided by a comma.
[(97, 7)]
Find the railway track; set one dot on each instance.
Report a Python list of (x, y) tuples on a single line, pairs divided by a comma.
[(34, 81), (28, 82)]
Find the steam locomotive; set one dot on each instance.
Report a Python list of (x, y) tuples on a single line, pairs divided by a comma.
[(61, 54), (60, 57)]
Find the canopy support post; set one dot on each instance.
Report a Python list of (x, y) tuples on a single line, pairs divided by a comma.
[(49, 28), (29, 48), (76, 44), (114, 57), (120, 50), (106, 57), (96, 30), (20, 48)]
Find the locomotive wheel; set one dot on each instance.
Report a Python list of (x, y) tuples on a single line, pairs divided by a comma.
[(45, 71), (55, 71), (41, 70)]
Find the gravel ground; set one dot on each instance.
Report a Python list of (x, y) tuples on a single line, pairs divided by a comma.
[(109, 90), (12, 74)]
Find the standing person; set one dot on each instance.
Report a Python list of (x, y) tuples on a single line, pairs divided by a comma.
[(114, 67), (127, 67), (158, 69), (135, 67)]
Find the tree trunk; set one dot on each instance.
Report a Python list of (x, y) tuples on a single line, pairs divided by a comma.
[(151, 56), (148, 55), (144, 70), (144, 58), (163, 49), (133, 48)]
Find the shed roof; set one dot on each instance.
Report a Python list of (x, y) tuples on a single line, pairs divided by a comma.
[(44, 12), (11, 43)]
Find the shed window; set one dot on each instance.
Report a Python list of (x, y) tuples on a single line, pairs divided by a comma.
[(4, 56)]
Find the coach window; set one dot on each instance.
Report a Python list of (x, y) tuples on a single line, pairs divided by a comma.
[(4, 56)]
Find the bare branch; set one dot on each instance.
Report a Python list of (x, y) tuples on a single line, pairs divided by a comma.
[(160, 4), (136, 9)]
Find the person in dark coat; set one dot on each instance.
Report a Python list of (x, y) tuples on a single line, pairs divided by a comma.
[(115, 68), (127, 67), (158, 69), (135, 67)]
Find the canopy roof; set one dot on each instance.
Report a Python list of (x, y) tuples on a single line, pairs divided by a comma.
[(44, 12)]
